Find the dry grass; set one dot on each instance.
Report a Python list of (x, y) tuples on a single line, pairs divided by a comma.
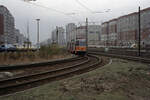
[(45, 53), (121, 80)]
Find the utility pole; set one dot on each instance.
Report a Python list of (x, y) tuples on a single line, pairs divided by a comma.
[(38, 32), (57, 34), (28, 39), (139, 40), (86, 31), (107, 44)]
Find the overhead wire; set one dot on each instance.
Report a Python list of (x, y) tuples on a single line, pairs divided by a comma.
[(71, 15), (91, 11), (52, 9), (84, 6), (67, 14)]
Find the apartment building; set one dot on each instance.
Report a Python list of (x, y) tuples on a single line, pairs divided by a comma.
[(69, 28), (7, 26), (58, 36), (124, 31)]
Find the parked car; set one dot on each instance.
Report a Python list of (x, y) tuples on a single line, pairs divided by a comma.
[(7, 47)]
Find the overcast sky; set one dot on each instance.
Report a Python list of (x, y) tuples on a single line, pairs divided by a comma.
[(54, 13)]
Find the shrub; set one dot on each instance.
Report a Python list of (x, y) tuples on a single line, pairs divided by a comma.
[(50, 50)]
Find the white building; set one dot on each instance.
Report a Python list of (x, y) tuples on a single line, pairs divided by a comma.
[(72, 36), (58, 36), (69, 28)]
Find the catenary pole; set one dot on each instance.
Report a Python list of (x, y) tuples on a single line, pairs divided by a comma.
[(57, 34), (139, 26), (28, 34), (38, 33), (86, 34)]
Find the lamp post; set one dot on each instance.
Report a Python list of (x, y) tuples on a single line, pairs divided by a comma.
[(38, 32)]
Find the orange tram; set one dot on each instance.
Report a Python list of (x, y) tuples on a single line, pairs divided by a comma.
[(77, 47)]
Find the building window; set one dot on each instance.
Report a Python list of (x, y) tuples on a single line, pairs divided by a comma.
[(91, 32)]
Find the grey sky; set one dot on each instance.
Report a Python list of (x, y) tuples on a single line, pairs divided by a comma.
[(50, 18)]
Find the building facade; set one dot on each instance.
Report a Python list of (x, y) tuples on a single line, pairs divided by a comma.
[(145, 26), (80, 33), (94, 32), (104, 34), (19, 38), (58, 36), (1, 24), (127, 29), (7, 26), (69, 28), (124, 31), (112, 32)]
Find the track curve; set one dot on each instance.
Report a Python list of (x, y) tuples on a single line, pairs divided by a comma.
[(21, 83)]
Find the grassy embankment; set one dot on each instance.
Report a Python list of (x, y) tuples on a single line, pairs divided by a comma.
[(45, 53), (121, 80)]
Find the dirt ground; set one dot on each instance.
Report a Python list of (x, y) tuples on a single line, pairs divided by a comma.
[(12, 59), (119, 80)]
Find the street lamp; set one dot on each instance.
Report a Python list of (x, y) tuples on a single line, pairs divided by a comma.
[(38, 32)]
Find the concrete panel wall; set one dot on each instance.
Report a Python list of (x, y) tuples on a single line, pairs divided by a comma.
[(1, 24)]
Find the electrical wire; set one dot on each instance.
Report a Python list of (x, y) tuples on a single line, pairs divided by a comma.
[(52, 9), (70, 15), (84, 6), (67, 14)]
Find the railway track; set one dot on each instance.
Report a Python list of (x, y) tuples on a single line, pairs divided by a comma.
[(30, 69), (133, 58), (23, 66), (145, 53), (20, 83)]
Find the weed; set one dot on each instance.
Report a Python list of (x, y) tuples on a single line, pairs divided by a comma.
[(45, 53)]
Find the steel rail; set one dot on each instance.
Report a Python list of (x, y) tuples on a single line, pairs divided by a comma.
[(53, 62), (3, 82), (59, 73), (40, 73), (139, 59)]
